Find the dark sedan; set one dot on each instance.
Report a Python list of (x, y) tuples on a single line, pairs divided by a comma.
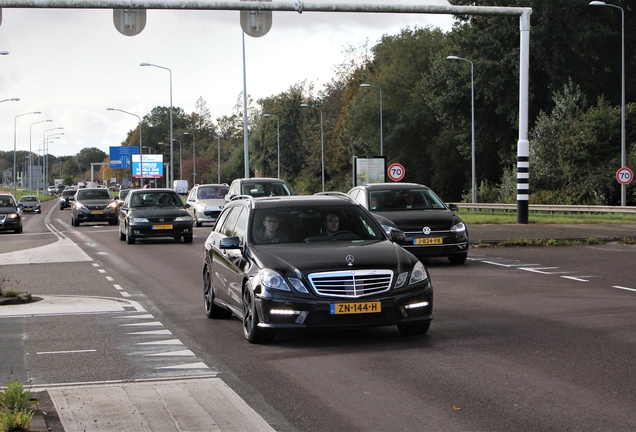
[(68, 195), (431, 227), (10, 219), (29, 203), (151, 213), (311, 262), (93, 205)]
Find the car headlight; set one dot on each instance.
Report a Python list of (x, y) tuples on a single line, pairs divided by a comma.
[(272, 280), (183, 219), (12, 216), (418, 274), (79, 205), (458, 228), (139, 220)]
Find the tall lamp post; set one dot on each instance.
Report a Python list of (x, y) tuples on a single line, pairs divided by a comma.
[(381, 134), (30, 151), (15, 122), (171, 146), (180, 162), (11, 99), (623, 155), (141, 162), (46, 156), (472, 104), (194, 159), (322, 143), (218, 159), (278, 133)]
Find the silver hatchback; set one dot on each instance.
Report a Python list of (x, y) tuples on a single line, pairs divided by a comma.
[(206, 202)]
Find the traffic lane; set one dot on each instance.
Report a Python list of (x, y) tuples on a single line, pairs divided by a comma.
[(498, 357), (34, 232), (607, 265)]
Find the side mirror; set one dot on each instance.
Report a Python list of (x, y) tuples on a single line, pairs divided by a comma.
[(229, 243), (453, 207), (397, 235)]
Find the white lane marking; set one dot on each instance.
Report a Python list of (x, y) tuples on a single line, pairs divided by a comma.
[(145, 324), (95, 264), (624, 288), (181, 353), (540, 270), (163, 342), (137, 316), (509, 265), (110, 279), (118, 287), (64, 250), (578, 279), (199, 365), (125, 294), (66, 352), (101, 270), (152, 332)]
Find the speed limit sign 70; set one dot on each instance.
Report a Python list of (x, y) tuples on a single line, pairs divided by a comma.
[(396, 172), (624, 176)]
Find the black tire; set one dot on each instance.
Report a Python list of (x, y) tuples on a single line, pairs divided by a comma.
[(18, 230), (74, 222), (414, 329), (458, 259), (112, 222), (212, 310), (197, 223), (251, 331), (129, 238), (187, 239), (122, 235)]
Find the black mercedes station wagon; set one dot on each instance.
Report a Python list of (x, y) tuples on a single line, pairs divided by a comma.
[(310, 262)]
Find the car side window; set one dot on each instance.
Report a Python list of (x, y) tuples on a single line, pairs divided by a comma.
[(227, 229), (193, 194), (241, 226)]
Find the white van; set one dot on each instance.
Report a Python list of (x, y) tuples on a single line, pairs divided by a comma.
[(180, 187)]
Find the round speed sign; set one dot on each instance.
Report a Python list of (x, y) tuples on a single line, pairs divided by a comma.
[(624, 176), (396, 172)]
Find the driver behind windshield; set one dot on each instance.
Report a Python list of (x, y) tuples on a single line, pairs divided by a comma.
[(332, 221)]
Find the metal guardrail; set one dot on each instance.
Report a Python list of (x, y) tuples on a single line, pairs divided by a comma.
[(550, 208)]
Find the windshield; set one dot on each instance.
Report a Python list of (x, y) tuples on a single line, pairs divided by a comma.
[(28, 198), (68, 193), (93, 194), (155, 199), (256, 189), (314, 224), (404, 199), (212, 192), (6, 201)]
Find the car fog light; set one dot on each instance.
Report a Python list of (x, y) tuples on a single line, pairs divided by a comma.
[(416, 305), (284, 312)]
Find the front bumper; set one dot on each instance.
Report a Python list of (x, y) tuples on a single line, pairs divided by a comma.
[(149, 230), (287, 311), (96, 215)]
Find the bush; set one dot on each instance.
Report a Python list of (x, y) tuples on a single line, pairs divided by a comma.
[(15, 414)]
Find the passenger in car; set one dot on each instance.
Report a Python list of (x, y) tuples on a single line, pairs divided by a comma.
[(269, 232), (165, 199)]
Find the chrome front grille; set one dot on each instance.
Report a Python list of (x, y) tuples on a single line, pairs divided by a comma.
[(96, 206), (351, 284)]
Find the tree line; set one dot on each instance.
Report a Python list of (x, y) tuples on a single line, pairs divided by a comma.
[(574, 119)]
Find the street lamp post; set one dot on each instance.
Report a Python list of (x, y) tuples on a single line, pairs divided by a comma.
[(218, 159), (322, 143), (381, 134), (278, 133), (30, 151), (623, 155), (15, 122), (472, 104), (180, 164), (46, 157), (171, 146), (194, 159), (141, 162), (10, 99)]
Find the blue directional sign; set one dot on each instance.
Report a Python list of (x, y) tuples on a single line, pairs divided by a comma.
[(120, 156)]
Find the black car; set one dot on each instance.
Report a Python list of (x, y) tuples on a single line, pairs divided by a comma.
[(431, 227), (151, 213), (68, 195), (93, 205), (310, 262), (258, 187), (10, 219), (29, 203)]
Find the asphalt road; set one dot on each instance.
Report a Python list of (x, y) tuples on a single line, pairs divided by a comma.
[(522, 339)]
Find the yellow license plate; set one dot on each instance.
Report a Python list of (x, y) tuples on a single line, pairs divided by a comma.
[(355, 308), (161, 227), (97, 212), (425, 241)]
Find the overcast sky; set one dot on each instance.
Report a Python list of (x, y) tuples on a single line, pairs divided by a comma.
[(72, 64)]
